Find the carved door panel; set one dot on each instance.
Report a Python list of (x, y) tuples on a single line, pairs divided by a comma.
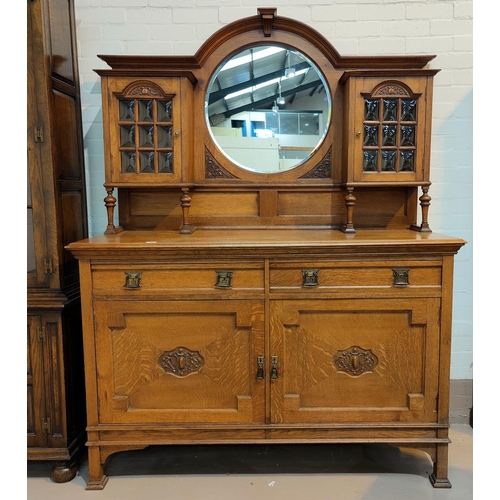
[(180, 361), (357, 360), (36, 384)]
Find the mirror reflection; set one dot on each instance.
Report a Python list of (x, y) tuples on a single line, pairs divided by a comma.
[(268, 108)]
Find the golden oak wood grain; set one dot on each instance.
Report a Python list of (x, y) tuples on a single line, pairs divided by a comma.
[(227, 306)]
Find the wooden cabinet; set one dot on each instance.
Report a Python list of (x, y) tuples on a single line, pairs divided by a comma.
[(388, 129), (144, 124), (236, 302), (56, 216)]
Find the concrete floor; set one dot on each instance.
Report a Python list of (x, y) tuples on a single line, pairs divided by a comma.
[(279, 472)]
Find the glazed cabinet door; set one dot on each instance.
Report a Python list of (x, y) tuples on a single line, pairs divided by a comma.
[(143, 130), (388, 132), (355, 360), (179, 361)]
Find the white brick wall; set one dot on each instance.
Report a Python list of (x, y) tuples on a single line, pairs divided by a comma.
[(354, 27)]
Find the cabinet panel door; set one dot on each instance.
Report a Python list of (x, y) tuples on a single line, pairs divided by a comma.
[(180, 361), (355, 360), (144, 127), (391, 134), (35, 384)]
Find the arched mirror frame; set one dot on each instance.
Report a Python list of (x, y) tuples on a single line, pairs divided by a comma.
[(324, 165)]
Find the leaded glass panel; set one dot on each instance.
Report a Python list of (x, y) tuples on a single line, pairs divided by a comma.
[(164, 111), (165, 162), (390, 110), (388, 135), (147, 162), (371, 135), (127, 111), (145, 111), (388, 161), (128, 162), (408, 135), (407, 161), (146, 136), (372, 109), (127, 136), (408, 110), (370, 161)]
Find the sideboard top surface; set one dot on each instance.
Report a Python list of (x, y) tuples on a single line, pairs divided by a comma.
[(253, 243)]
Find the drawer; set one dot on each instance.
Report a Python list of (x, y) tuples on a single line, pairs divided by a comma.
[(346, 276), (179, 279)]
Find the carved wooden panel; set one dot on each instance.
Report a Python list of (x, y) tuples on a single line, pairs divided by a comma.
[(354, 360), (180, 361)]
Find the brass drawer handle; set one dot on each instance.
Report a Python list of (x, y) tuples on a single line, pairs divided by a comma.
[(310, 277), (132, 279), (224, 279), (274, 367), (260, 367), (401, 277)]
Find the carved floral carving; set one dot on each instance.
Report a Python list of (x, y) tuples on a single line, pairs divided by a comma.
[(323, 169), (213, 170), (391, 90), (143, 90)]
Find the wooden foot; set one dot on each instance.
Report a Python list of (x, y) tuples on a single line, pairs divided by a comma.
[(62, 472), (97, 484), (439, 478), (439, 483)]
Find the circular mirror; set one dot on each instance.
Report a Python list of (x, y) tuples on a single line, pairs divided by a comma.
[(268, 108)]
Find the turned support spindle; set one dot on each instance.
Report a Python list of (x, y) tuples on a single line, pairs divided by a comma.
[(350, 201), (110, 204), (425, 201), (186, 227)]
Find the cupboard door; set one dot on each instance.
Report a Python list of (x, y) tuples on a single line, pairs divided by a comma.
[(356, 360), (35, 384), (144, 126), (180, 361), (390, 130)]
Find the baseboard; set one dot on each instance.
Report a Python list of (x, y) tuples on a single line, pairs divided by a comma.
[(461, 401)]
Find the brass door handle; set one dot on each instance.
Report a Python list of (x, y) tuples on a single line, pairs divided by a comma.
[(274, 367), (260, 367)]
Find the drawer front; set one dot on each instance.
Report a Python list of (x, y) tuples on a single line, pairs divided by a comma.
[(321, 276), (179, 279)]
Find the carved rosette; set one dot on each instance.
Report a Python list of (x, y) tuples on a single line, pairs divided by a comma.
[(391, 90), (355, 361), (322, 170), (213, 170), (181, 361), (144, 90)]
